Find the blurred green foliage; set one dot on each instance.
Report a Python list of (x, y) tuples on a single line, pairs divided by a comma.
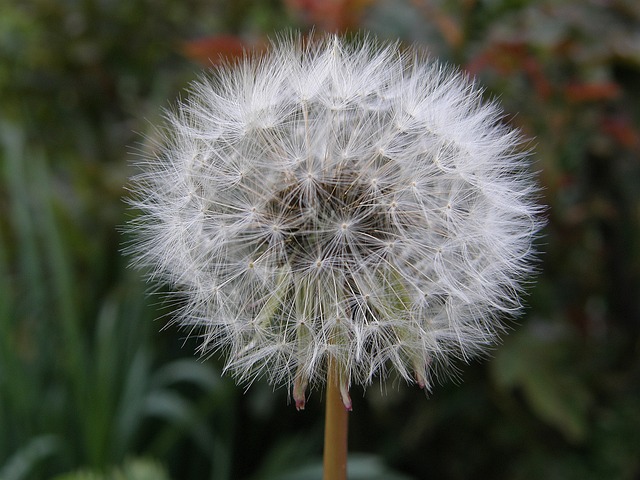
[(87, 380), (138, 469)]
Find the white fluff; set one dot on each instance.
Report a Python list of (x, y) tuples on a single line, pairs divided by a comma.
[(352, 200)]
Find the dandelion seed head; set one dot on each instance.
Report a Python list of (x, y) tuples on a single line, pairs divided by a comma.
[(338, 199)]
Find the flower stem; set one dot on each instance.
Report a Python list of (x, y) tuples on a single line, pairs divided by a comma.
[(335, 429)]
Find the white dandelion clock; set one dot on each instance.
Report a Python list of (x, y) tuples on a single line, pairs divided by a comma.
[(338, 203)]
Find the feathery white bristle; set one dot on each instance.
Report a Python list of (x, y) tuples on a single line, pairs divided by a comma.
[(352, 200)]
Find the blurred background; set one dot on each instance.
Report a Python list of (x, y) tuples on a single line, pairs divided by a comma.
[(93, 387)]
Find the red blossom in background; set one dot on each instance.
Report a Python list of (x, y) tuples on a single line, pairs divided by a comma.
[(329, 15), (213, 50), (510, 58)]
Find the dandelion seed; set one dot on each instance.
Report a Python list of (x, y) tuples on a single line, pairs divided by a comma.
[(351, 203)]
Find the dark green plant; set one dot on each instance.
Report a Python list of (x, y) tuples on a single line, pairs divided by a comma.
[(80, 386)]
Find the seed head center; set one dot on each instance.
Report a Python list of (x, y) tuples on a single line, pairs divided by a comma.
[(308, 217)]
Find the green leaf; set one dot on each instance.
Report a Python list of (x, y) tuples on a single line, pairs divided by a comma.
[(137, 469), (188, 371), (359, 467), (25, 460), (533, 360)]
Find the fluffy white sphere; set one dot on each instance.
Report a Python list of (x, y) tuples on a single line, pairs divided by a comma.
[(339, 199)]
